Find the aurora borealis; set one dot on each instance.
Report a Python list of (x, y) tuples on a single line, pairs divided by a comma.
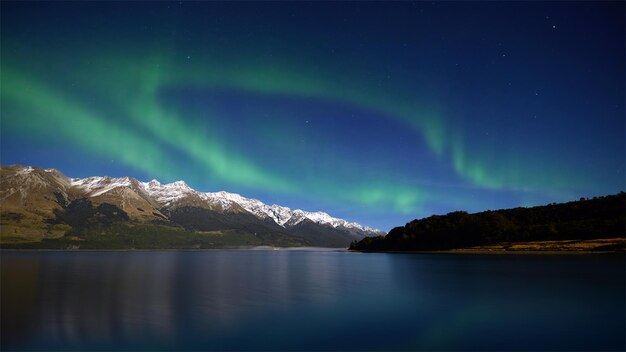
[(374, 112)]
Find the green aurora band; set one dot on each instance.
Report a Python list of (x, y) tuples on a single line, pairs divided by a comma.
[(130, 86), (60, 115), (292, 80)]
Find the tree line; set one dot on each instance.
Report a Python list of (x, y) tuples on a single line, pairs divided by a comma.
[(598, 217)]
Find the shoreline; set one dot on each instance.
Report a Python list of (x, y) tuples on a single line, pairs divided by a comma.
[(270, 249), (572, 246), (305, 249), (493, 252), (615, 245)]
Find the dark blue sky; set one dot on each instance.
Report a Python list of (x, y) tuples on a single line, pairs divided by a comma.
[(375, 112)]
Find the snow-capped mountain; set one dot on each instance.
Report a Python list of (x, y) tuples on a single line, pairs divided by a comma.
[(176, 202), (169, 194), (283, 216)]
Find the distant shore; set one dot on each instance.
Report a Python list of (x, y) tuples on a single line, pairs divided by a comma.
[(595, 246), (260, 248)]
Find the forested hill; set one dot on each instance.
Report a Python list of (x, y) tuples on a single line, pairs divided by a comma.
[(585, 219)]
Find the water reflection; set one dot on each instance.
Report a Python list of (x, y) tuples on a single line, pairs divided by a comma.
[(316, 300), (121, 299), (540, 302)]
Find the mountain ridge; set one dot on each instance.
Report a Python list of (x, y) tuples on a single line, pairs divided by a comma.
[(45, 196)]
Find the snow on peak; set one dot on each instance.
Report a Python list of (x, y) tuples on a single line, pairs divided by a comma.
[(25, 170), (169, 193), (97, 185), (179, 184), (324, 218), (281, 215)]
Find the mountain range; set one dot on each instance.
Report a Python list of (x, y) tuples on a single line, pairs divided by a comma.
[(43, 208)]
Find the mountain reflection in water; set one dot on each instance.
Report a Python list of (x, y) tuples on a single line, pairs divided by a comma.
[(309, 300)]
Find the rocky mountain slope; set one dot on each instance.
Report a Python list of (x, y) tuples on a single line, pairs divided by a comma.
[(44, 208)]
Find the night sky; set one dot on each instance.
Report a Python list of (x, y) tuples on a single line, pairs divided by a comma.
[(374, 112)]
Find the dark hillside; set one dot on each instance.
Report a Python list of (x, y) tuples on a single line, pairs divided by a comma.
[(585, 219)]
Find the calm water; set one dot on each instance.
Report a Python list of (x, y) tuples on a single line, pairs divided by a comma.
[(319, 300)]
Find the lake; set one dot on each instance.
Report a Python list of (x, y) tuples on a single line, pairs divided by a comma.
[(310, 300)]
